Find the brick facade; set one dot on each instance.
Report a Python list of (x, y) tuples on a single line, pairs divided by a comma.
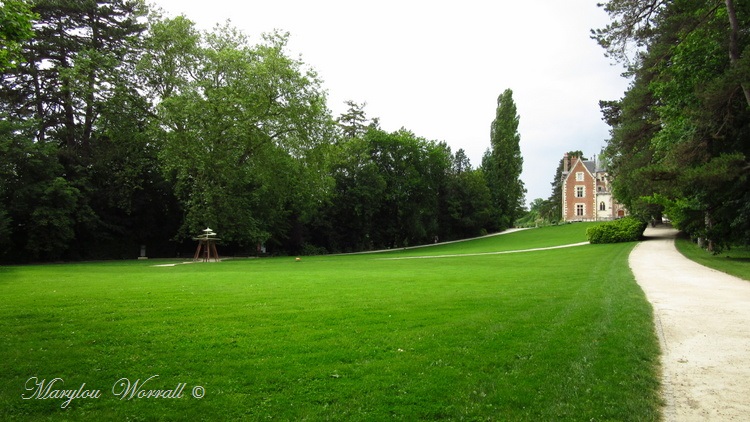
[(586, 192)]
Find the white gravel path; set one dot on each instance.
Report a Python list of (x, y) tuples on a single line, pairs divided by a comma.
[(703, 320)]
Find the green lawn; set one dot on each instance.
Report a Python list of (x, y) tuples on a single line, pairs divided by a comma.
[(563, 334), (735, 261), (540, 238)]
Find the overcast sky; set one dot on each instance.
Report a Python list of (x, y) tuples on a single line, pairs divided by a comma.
[(436, 68)]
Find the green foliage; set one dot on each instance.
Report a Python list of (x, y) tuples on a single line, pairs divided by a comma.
[(628, 229), (16, 20), (679, 136), (541, 213), (352, 123), (170, 51), (397, 189), (469, 206), (242, 135), (389, 192), (502, 163), (631, 28), (40, 207), (532, 218), (120, 131), (50, 229), (75, 106), (66, 79)]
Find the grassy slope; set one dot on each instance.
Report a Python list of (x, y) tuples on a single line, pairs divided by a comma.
[(735, 261), (549, 335), (539, 238)]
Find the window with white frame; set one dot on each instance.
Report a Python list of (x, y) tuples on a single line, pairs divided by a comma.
[(580, 191), (602, 206), (579, 176), (580, 209)]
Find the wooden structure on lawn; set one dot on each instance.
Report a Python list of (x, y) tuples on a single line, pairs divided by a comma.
[(206, 246)]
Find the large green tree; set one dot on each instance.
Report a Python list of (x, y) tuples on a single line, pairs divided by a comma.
[(680, 135), (244, 129), (77, 58), (395, 189), (74, 98), (412, 170), (468, 210), (502, 163), (117, 131)]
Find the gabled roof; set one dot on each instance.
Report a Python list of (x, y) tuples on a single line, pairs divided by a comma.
[(593, 166), (590, 167)]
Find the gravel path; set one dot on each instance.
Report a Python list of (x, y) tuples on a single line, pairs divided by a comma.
[(703, 320)]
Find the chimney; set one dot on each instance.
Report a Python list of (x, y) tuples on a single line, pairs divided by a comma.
[(565, 162)]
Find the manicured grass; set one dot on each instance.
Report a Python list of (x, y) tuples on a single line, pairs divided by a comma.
[(735, 261), (562, 334), (540, 238)]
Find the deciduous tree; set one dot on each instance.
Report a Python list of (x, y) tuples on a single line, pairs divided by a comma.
[(243, 129)]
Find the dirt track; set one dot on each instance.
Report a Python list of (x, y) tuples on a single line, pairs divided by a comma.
[(703, 320)]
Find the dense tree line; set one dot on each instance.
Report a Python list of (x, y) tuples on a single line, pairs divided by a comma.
[(397, 189), (680, 136), (120, 127)]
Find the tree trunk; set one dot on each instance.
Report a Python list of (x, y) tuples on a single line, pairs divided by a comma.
[(88, 121), (38, 98), (70, 119), (709, 224), (734, 49)]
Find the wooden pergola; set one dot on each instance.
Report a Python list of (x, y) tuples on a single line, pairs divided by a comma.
[(207, 245)]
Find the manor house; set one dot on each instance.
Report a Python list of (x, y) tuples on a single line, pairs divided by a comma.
[(587, 192)]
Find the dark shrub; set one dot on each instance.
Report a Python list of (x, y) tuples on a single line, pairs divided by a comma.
[(626, 229)]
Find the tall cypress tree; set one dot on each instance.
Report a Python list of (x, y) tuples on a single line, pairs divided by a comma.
[(502, 163)]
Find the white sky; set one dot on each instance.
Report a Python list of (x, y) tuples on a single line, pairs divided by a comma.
[(436, 68)]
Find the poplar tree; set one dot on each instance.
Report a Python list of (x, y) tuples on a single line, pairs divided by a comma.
[(503, 163)]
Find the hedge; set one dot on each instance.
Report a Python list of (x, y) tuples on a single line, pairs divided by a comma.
[(626, 229)]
